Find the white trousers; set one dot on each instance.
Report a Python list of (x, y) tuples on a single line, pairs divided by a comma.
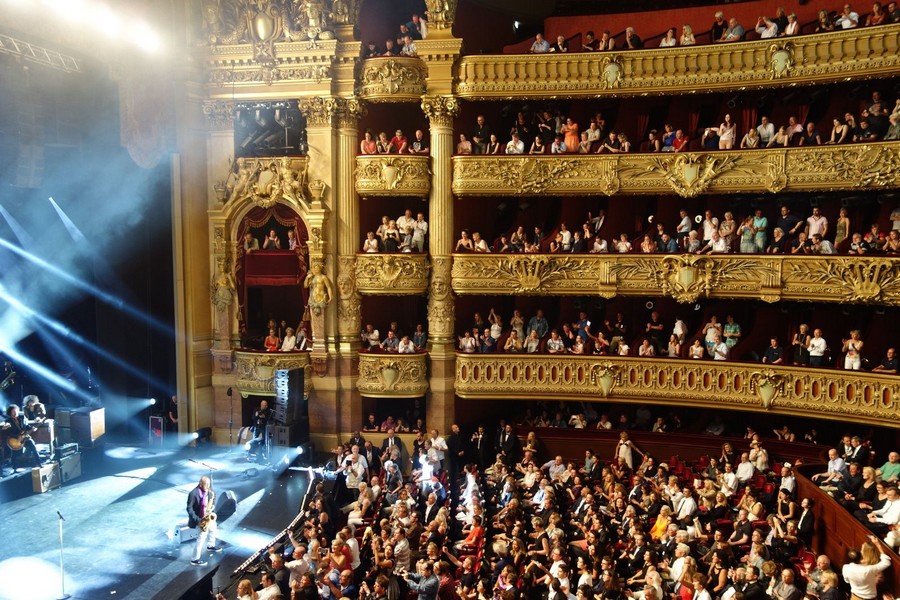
[(206, 538)]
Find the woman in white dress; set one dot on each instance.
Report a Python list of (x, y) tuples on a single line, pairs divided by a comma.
[(853, 347), (625, 450)]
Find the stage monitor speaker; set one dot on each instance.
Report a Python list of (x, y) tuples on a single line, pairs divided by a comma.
[(88, 425), (45, 478), (203, 589), (70, 467), (226, 505)]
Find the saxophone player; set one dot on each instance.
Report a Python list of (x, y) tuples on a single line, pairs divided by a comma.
[(201, 504)]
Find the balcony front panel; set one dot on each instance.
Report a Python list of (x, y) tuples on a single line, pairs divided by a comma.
[(392, 274), (393, 175), (688, 174), (684, 277), (822, 393), (256, 370), (862, 53), (397, 79), (392, 375)]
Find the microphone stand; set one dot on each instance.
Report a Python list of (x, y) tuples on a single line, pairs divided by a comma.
[(210, 467), (62, 572)]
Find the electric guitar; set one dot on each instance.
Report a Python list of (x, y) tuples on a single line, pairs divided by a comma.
[(17, 442), (8, 380)]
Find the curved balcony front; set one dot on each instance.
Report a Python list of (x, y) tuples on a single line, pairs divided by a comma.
[(818, 393), (400, 274), (393, 175), (393, 79), (392, 375), (688, 174), (255, 371), (684, 277), (862, 53)]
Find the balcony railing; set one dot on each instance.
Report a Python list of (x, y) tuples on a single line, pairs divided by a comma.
[(397, 79), (688, 174), (862, 53), (256, 370), (819, 393), (392, 274), (392, 375), (393, 175), (684, 277)]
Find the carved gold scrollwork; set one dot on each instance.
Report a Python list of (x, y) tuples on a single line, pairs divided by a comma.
[(691, 175), (767, 385), (255, 371), (348, 111), (862, 280), (219, 113), (349, 306), (867, 165), (392, 273), (265, 181), (605, 376), (441, 310), (612, 72), (441, 13), (781, 59), (389, 175), (396, 375), (319, 111), (393, 79), (526, 274), (440, 110)]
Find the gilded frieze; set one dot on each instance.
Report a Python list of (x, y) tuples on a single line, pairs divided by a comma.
[(393, 175), (862, 53), (265, 181), (397, 79), (831, 393), (688, 174), (255, 371), (392, 375), (685, 278), (392, 274)]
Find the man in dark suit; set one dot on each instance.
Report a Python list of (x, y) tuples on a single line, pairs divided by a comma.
[(356, 440), (393, 440), (201, 502), (431, 509), (509, 446), (373, 458), (481, 448), (753, 589), (455, 457)]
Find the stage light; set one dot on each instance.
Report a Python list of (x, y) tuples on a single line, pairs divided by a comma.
[(195, 435), (70, 226), (299, 450), (146, 39), (152, 401), (107, 21), (247, 446)]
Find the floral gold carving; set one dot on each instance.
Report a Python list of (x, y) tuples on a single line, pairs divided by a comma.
[(440, 110), (691, 174), (392, 375), (869, 397), (862, 280), (269, 74), (868, 165), (219, 113), (781, 59), (255, 371), (611, 70), (393, 79), (441, 311), (441, 13), (266, 181), (526, 274), (393, 274), (349, 304), (348, 111), (605, 376), (390, 175)]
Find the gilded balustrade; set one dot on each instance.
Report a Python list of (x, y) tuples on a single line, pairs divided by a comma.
[(684, 277), (392, 375), (820, 393), (395, 79), (688, 174), (255, 371), (862, 53), (392, 274), (393, 175)]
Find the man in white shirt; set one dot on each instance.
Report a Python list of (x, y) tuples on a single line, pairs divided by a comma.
[(719, 349), (515, 145), (710, 225), (439, 445), (745, 469), (405, 220), (270, 589), (555, 344), (716, 245), (817, 223), (766, 131), (881, 520), (298, 565), (686, 507), (848, 19), (554, 468), (817, 347), (406, 346), (420, 231), (836, 470)]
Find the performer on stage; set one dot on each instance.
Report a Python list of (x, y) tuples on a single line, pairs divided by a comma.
[(258, 427), (18, 431), (33, 408), (172, 414), (201, 503)]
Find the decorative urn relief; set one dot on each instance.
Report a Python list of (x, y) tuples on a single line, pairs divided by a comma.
[(392, 375)]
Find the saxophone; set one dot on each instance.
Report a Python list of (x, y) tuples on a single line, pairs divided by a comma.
[(210, 514)]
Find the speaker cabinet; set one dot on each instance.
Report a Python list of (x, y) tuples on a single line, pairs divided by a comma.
[(88, 425), (291, 406), (70, 467), (45, 478)]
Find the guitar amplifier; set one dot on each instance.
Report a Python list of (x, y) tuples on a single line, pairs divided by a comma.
[(88, 425), (45, 433), (63, 417), (70, 467), (64, 436), (65, 450), (45, 478)]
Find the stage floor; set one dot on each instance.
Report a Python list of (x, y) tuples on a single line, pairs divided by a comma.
[(120, 518)]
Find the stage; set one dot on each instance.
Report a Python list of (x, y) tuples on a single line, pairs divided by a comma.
[(120, 517)]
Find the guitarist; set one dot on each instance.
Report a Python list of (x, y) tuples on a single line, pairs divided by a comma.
[(18, 430)]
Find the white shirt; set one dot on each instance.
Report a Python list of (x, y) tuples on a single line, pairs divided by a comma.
[(600, 245), (514, 147), (268, 593), (686, 508), (849, 21), (719, 246), (816, 225), (720, 351), (862, 578), (745, 471), (297, 568), (729, 483), (404, 222), (710, 226), (766, 132), (406, 347), (684, 226), (817, 346), (290, 342), (889, 514)]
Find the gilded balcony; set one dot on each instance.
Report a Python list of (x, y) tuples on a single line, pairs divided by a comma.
[(393, 175), (862, 53), (688, 174), (256, 370), (399, 274), (392, 375), (819, 393), (394, 79), (684, 277)]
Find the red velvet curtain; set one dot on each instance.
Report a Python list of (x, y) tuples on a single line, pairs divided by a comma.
[(643, 119), (258, 218), (693, 122), (748, 121), (802, 113)]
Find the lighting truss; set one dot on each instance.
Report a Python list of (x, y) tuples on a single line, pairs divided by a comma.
[(38, 54)]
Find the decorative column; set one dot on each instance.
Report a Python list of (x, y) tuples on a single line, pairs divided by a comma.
[(441, 111)]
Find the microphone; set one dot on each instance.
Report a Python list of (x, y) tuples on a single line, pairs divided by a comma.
[(60, 516)]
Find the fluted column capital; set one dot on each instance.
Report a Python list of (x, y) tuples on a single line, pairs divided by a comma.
[(440, 110)]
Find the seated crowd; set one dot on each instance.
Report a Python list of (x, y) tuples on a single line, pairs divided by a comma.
[(782, 24), (788, 234), (481, 514), (715, 340), (394, 340), (401, 44), (282, 338), (403, 234)]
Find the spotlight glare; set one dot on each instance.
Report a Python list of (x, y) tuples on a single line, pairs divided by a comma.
[(247, 446), (107, 21), (146, 39), (152, 401), (299, 450), (195, 435)]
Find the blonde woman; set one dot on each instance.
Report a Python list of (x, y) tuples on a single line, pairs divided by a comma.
[(853, 348), (625, 450), (687, 36)]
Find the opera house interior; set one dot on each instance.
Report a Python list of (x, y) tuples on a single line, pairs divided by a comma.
[(450, 298)]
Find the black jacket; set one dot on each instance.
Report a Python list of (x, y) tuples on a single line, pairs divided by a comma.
[(194, 509)]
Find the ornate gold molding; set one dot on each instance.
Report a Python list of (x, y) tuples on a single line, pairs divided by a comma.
[(688, 174), (441, 310), (319, 111), (392, 375), (684, 277), (392, 274), (393, 175), (348, 111), (440, 110), (349, 302), (265, 181), (255, 371), (820, 393), (399, 79), (441, 13), (219, 113), (863, 53)]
